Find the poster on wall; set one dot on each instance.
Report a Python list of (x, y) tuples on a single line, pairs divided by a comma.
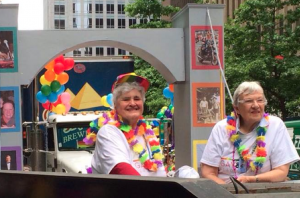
[(8, 49), (204, 53), (9, 107), (198, 149), (11, 158), (207, 104)]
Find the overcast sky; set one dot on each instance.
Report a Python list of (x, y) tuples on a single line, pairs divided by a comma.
[(30, 13)]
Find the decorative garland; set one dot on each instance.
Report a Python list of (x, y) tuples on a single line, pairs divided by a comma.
[(142, 129), (235, 138)]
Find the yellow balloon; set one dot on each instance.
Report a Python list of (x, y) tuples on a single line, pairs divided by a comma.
[(43, 80), (53, 109), (60, 109), (104, 102)]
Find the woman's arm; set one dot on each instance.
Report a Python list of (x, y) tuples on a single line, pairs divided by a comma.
[(276, 175), (210, 172)]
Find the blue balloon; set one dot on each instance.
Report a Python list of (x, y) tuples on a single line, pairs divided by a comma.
[(167, 93), (52, 97), (61, 90), (41, 97), (109, 99)]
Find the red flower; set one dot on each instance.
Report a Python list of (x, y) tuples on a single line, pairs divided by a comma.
[(231, 122), (148, 164), (261, 153), (154, 143), (129, 134), (245, 152), (279, 57)]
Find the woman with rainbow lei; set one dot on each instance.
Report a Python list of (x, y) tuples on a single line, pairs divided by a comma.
[(249, 145), (125, 143)]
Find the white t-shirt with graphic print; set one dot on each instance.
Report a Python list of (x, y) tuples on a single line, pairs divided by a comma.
[(218, 151), (112, 148)]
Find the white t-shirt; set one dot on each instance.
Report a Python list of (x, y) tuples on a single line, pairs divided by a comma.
[(112, 148), (218, 151)]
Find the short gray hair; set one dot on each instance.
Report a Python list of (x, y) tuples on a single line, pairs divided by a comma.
[(125, 87), (247, 87)]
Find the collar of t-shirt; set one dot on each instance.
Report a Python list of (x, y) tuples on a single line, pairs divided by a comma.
[(263, 123)]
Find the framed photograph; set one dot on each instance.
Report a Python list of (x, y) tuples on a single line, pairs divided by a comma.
[(10, 109), (204, 54), (198, 148), (11, 158), (8, 49), (207, 104)]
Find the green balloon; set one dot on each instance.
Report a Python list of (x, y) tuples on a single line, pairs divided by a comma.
[(55, 85), (46, 90)]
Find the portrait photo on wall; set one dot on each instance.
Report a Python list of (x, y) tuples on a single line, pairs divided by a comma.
[(207, 104), (204, 52), (9, 107), (8, 49), (11, 158)]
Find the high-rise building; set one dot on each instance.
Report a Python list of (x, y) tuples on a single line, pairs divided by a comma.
[(89, 14)]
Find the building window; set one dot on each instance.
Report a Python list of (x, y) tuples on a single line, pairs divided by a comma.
[(99, 51), (99, 8), (76, 7), (88, 51), (99, 23), (121, 23), (143, 21), (110, 23), (90, 8), (59, 24), (121, 8), (110, 8), (90, 25), (76, 52), (110, 51), (132, 22), (59, 9), (74, 23), (121, 52)]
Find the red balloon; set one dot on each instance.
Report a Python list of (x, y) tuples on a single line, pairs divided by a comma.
[(69, 64), (59, 59), (59, 68), (58, 101), (47, 105)]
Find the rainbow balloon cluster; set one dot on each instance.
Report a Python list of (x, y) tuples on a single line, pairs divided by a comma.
[(52, 95), (107, 100), (166, 112), (168, 92)]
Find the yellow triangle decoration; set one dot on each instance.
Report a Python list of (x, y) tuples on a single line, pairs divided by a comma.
[(86, 98)]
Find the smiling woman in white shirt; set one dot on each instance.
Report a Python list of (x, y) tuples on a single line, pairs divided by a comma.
[(249, 145)]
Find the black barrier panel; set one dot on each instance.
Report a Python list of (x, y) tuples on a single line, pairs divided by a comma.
[(53, 185)]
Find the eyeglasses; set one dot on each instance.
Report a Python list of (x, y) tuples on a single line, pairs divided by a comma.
[(251, 101)]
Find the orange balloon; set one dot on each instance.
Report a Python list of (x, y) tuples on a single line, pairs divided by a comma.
[(63, 78), (171, 87), (50, 65), (49, 75)]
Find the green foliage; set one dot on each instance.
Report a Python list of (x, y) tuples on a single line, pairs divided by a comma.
[(253, 39), (152, 10), (154, 96), (149, 9)]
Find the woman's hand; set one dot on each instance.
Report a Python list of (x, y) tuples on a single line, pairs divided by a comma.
[(246, 179)]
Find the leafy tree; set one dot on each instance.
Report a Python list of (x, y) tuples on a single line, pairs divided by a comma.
[(256, 40), (152, 10)]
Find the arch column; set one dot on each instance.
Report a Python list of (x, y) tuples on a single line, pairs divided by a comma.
[(191, 132)]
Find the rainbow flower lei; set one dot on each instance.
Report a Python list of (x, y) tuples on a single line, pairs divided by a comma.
[(142, 129), (261, 152)]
